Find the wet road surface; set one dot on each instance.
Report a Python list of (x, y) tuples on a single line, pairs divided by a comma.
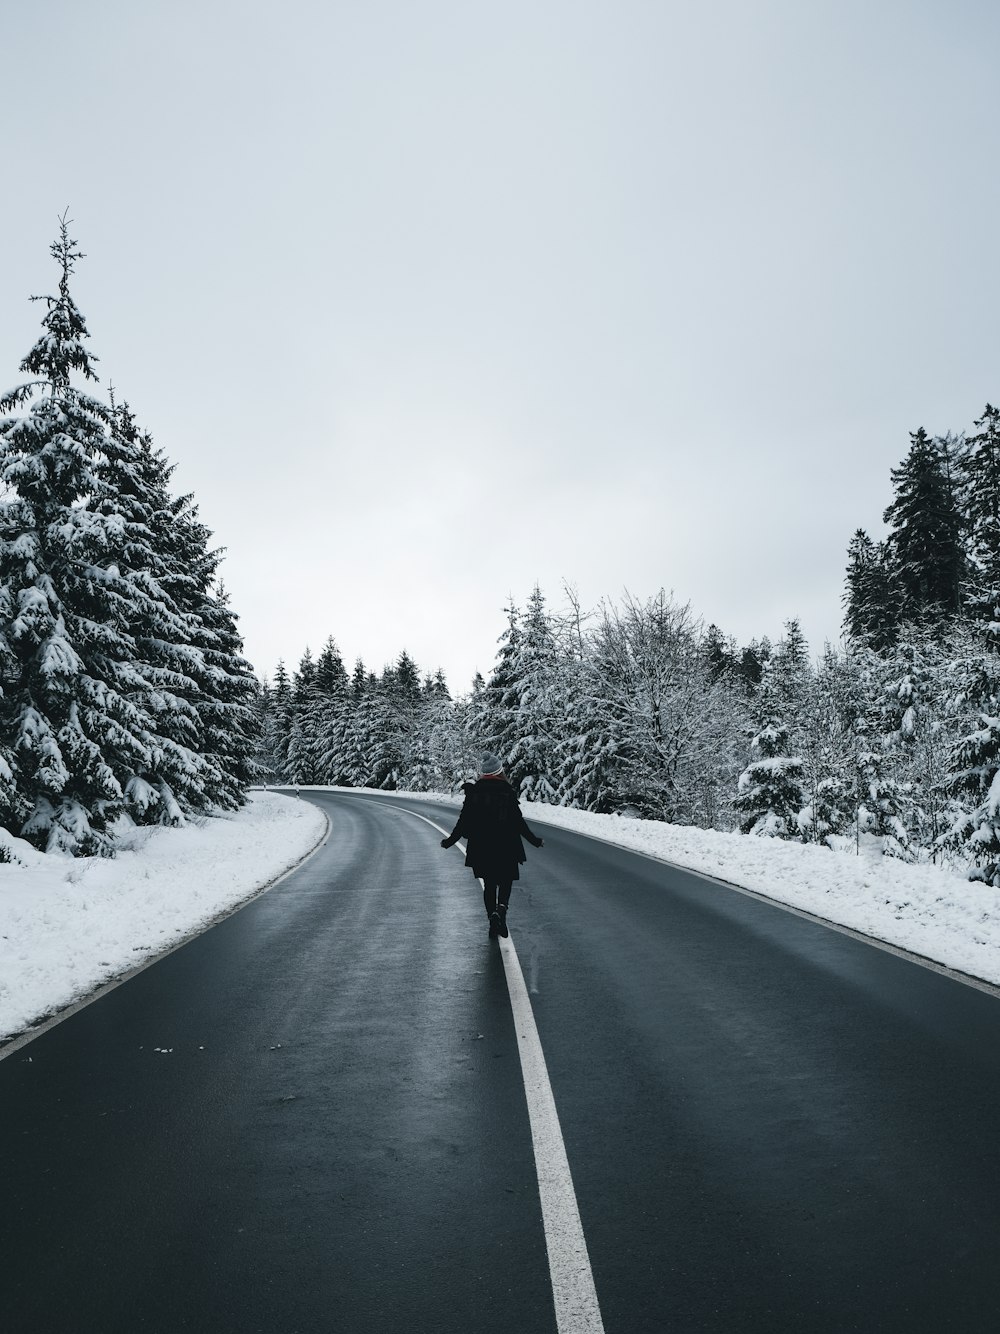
[(770, 1126)]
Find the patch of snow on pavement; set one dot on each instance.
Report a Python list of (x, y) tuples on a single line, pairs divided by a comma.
[(67, 925)]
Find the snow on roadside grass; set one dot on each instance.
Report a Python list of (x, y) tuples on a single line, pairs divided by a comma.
[(66, 925), (928, 910)]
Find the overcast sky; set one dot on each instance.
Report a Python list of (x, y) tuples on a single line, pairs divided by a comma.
[(431, 301)]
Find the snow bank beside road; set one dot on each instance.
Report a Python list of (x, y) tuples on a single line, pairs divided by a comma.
[(66, 925), (928, 910)]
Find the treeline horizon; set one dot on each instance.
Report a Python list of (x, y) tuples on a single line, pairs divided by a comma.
[(639, 708)]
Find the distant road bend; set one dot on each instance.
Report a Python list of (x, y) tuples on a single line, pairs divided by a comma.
[(313, 1117)]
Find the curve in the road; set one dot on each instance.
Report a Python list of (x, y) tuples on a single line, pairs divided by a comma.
[(312, 1117)]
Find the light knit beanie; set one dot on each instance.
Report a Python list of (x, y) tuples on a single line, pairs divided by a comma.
[(491, 766)]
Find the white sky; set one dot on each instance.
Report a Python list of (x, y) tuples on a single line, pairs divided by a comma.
[(429, 301)]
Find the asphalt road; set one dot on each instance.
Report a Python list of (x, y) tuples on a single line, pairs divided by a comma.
[(770, 1126)]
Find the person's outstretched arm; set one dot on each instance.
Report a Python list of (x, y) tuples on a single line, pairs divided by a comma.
[(458, 832), (533, 839)]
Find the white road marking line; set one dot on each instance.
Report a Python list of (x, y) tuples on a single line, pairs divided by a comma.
[(577, 1309), (573, 1290)]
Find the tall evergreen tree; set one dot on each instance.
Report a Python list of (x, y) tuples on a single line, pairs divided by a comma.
[(881, 800), (752, 661), (356, 746), (979, 468), (974, 771), (204, 703), (770, 788), (871, 607), (277, 725), (720, 652), (163, 634), (533, 704), (301, 763), (226, 705), (497, 712), (826, 737), (76, 733), (790, 671), (925, 545)]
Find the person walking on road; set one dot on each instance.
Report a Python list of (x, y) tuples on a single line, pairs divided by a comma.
[(492, 825)]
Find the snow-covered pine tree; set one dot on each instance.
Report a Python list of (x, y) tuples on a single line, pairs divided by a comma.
[(166, 663), (791, 672), (331, 674), (881, 798), (404, 743), (973, 778), (978, 468), (974, 770), (358, 763), (770, 795), (827, 731), (75, 731), (329, 706), (227, 704), (925, 546), (453, 754), (752, 661), (815, 739), (871, 603), (587, 753), (440, 758), (204, 703), (720, 652), (497, 708), (224, 680), (277, 725), (532, 699), (300, 766), (475, 721), (379, 726), (922, 725), (587, 745), (302, 681)]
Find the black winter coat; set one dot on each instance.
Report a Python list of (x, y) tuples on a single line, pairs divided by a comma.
[(492, 823)]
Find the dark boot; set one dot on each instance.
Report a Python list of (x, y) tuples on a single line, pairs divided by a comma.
[(497, 927), (501, 916)]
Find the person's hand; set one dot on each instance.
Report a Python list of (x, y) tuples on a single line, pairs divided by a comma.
[(445, 843), (541, 843)]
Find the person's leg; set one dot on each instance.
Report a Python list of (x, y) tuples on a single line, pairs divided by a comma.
[(490, 889), (503, 902)]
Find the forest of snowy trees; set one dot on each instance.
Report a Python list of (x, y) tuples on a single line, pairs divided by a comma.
[(125, 697), (639, 708)]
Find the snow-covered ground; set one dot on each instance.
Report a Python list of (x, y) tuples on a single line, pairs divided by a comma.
[(929, 910), (67, 925)]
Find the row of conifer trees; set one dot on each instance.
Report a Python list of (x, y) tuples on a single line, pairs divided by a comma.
[(640, 710), (125, 696), (892, 735)]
